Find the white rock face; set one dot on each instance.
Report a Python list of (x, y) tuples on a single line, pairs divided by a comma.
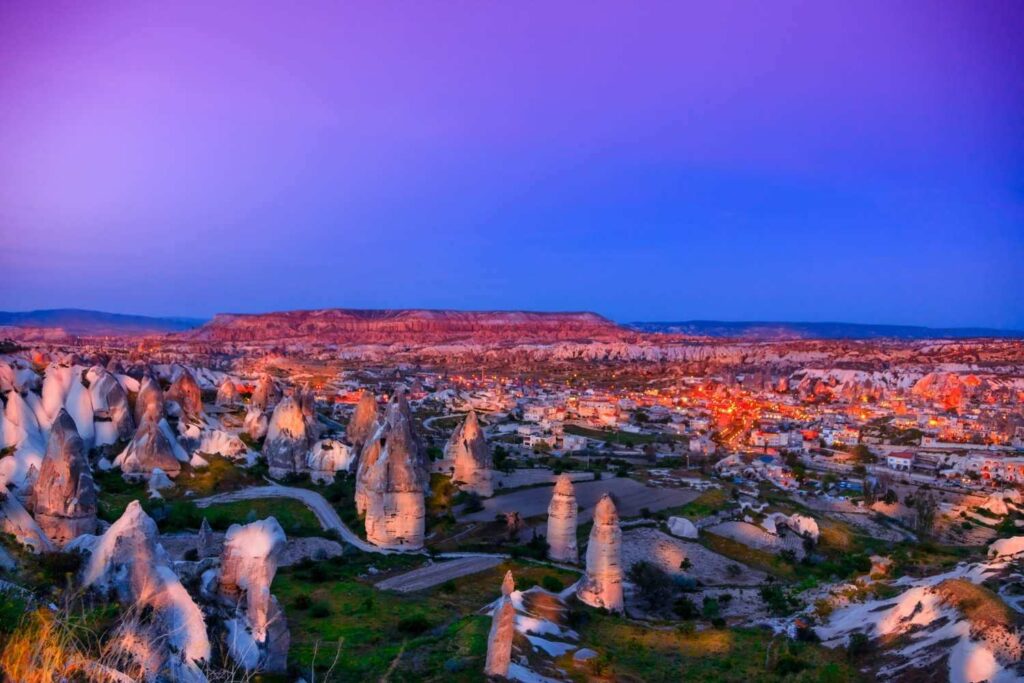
[(503, 629), (21, 432), (64, 493), (562, 514), (56, 385), (470, 458), (127, 560), (150, 400), (801, 524), (255, 424), (682, 527), (79, 406), (602, 586), (328, 457), (111, 412), (16, 521), (227, 393), (287, 443), (248, 565), (1006, 546), (220, 442), (148, 450)]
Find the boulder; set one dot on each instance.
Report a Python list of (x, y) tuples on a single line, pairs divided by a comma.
[(682, 527), (255, 424), (602, 585), (328, 457), (64, 494), (562, 514)]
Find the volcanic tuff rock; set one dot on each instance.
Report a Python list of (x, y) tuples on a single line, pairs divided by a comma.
[(364, 421), (255, 424), (21, 432), (404, 326), (227, 393), (150, 400), (79, 407), (288, 439), (503, 629), (328, 457), (113, 417), (602, 586), (266, 394), (64, 494), (390, 485), (163, 631), (248, 565), (470, 457), (185, 391), (150, 448), (562, 513)]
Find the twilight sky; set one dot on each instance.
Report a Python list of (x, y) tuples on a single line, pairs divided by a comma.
[(858, 161)]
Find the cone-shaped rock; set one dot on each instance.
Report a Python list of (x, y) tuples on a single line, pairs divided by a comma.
[(602, 586), (266, 395), (113, 416), (149, 449), (364, 421), (64, 492), (248, 565), (227, 393), (204, 540), (186, 393), (473, 469), (503, 629), (150, 400), (256, 423), (562, 513), (288, 440)]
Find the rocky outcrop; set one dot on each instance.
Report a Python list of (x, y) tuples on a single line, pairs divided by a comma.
[(390, 486), (150, 400), (227, 393), (602, 585), (21, 432), (682, 527), (64, 493), (288, 439), (163, 632), (150, 448), (503, 630), (562, 514), (255, 424), (258, 635), (471, 466), (56, 385), (16, 521), (327, 458), (185, 392), (266, 395), (364, 422), (79, 407), (112, 414)]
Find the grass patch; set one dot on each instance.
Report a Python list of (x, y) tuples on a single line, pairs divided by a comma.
[(757, 559), (295, 518)]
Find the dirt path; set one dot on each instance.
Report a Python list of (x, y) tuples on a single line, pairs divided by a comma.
[(437, 573)]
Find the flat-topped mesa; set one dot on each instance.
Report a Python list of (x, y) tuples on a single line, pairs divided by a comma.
[(227, 393), (149, 449), (364, 421), (266, 395), (287, 443), (113, 415), (562, 514), (390, 487), (150, 400), (248, 566), (503, 629), (602, 586), (472, 467), (166, 635), (64, 492), (185, 391)]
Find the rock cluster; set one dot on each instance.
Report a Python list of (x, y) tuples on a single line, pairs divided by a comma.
[(149, 449), (258, 635), (364, 422), (266, 395), (390, 485), (503, 629), (288, 439), (562, 513), (471, 466), (64, 493), (602, 585)]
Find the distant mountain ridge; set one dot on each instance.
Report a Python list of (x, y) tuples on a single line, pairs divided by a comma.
[(755, 330), (80, 322)]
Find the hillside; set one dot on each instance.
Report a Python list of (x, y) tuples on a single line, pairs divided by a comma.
[(80, 322), (824, 330)]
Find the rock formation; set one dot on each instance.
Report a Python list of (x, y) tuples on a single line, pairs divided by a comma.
[(227, 393), (163, 632), (150, 400), (503, 630), (328, 457), (185, 391), (21, 432), (56, 385), (205, 543), (288, 439), (266, 394), (257, 632), (602, 586), (112, 414), (79, 407), (150, 448), (64, 493), (390, 486), (562, 513), (364, 421), (255, 424), (472, 468), (16, 521)]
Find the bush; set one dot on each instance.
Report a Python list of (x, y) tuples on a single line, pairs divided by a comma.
[(302, 601), (859, 644), (448, 587), (319, 610), (414, 625), (685, 608), (552, 583), (653, 583)]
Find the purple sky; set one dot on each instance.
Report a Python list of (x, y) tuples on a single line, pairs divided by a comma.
[(859, 161)]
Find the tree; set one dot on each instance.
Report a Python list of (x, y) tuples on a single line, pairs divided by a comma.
[(926, 507), (652, 582), (863, 454)]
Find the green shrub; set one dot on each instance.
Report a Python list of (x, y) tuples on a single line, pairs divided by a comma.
[(552, 583)]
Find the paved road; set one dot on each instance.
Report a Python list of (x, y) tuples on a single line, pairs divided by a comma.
[(630, 497), (438, 572)]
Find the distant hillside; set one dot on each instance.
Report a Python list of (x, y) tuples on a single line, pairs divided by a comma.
[(96, 323), (410, 326), (786, 330)]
